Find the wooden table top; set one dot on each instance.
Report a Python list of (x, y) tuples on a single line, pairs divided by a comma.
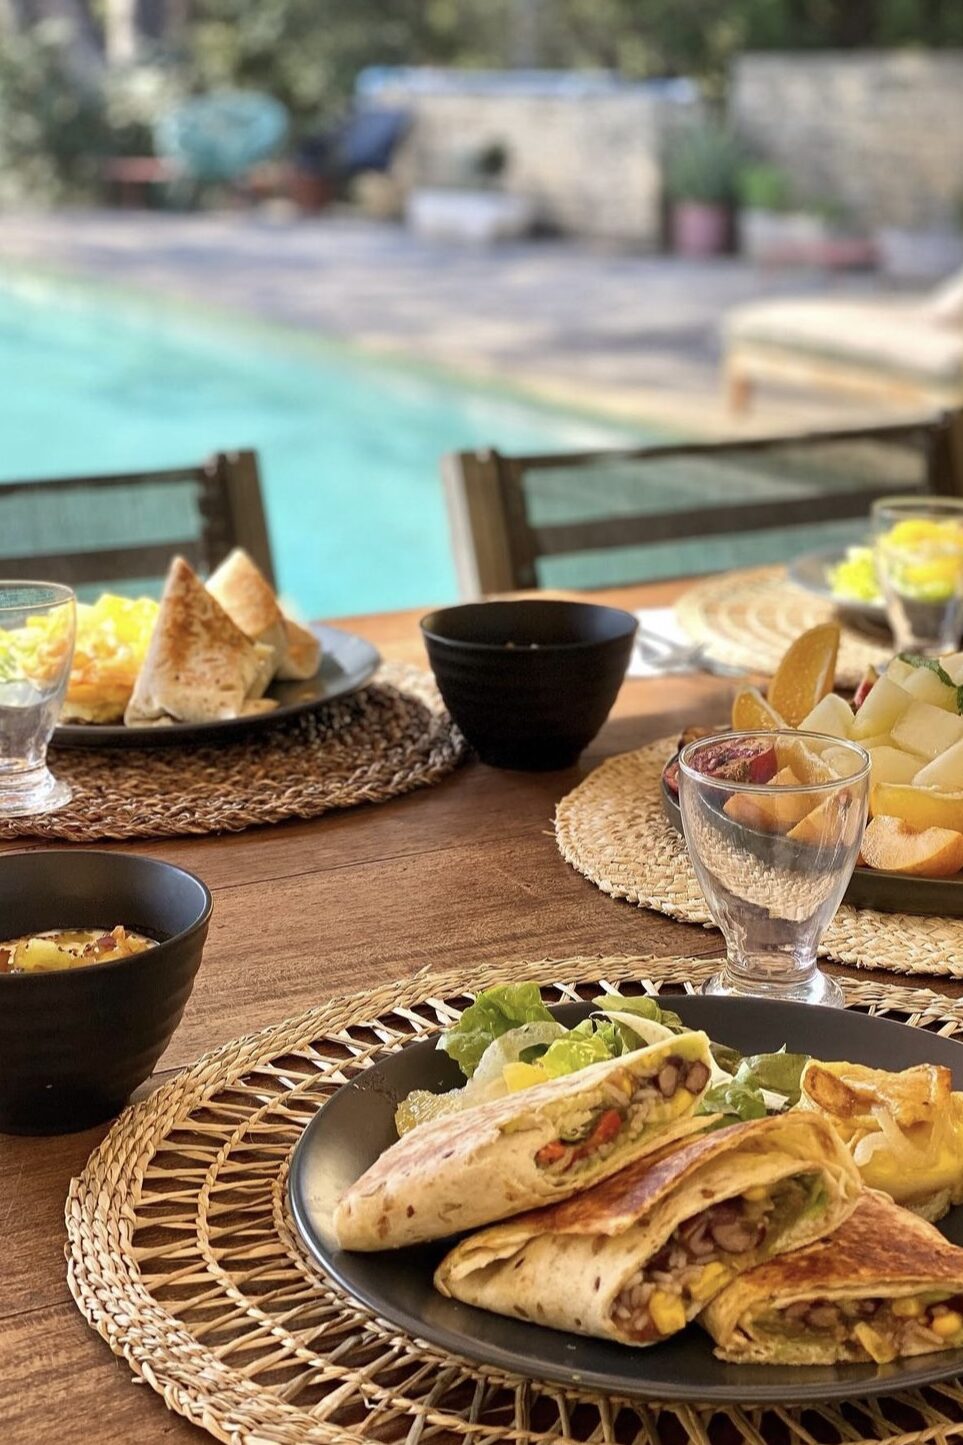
[(458, 873)]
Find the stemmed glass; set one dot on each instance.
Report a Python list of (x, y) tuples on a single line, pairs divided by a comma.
[(773, 823), (918, 554), (37, 625)]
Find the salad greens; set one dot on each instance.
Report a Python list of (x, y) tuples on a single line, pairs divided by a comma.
[(492, 1014)]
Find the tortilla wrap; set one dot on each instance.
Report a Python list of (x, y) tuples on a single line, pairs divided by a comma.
[(467, 1169), (638, 1256), (198, 666), (249, 601), (864, 1292), (301, 657)]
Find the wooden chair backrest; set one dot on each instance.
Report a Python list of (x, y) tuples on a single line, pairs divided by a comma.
[(505, 517), (96, 532)]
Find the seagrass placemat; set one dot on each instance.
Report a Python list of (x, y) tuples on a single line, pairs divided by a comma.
[(612, 828), (748, 619), (182, 1256), (387, 739)]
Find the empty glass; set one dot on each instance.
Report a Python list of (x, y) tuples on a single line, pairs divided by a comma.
[(37, 622), (773, 823), (918, 553)]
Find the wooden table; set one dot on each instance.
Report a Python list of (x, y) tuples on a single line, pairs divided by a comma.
[(462, 872)]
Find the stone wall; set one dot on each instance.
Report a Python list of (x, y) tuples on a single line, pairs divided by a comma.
[(586, 149), (879, 133)]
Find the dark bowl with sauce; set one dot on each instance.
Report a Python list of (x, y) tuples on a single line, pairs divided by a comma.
[(76, 1042), (529, 682)]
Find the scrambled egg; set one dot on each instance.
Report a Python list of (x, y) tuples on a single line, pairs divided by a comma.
[(112, 639)]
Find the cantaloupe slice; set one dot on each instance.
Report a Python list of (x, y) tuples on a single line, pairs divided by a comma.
[(892, 845)]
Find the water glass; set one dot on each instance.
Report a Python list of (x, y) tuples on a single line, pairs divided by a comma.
[(37, 624), (918, 553), (773, 823)]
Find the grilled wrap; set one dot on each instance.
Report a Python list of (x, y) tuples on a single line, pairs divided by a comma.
[(249, 600), (886, 1284), (639, 1255), (541, 1144)]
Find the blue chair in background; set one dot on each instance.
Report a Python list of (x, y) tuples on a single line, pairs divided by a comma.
[(217, 138)]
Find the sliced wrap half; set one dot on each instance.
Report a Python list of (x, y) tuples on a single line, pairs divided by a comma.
[(638, 1256), (884, 1285), (541, 1144)]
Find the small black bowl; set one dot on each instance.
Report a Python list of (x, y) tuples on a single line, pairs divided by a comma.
[(529, 682), (75, 1043)]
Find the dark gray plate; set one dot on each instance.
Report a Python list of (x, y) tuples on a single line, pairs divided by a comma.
[(347, 663), (868, 887), (357, 1124), (810, 572)]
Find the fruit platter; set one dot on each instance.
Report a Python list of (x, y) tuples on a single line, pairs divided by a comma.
[(908, 715)]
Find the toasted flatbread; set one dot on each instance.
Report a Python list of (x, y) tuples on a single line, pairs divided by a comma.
[(868, 1291), (199, 667), (636, 1257), (541, 1144), (301, 657), (248, 599)]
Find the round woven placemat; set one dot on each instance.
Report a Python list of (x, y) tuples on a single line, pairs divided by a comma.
[(612, 828), (748, 619), (389, 738), (182, 1256)]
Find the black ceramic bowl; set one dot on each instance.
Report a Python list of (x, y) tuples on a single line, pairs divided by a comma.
[(529, 682), (76, 1042)]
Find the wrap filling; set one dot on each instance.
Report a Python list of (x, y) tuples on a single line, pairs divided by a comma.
[(877, 1329)]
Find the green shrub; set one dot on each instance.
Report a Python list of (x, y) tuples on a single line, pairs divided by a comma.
[(764, 187), (703, 164)]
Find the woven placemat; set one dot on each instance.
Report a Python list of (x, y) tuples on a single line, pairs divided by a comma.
[(613, 829), (389, 738), (182, 1256), (748, 619)]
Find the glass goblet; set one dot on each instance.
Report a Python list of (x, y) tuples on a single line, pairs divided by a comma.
[(918, 554), (37, 625), (773, 823)]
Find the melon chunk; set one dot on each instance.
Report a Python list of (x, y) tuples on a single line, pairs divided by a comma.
[(831, 715), (944, 772), (898, 671), (884, 706), (927, 730), (924, 684), (892, 765), (891, 844)]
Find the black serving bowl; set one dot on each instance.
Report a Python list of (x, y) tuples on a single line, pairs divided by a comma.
[(74, 1043), (529, 682)]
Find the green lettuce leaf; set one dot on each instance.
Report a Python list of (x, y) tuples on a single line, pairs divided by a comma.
[(735, 1101), (576, 1051), (780, 1072), (493, 1013), (643, 1005)]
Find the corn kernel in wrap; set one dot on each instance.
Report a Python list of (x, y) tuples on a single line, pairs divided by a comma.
[(636, 1257), (883, 1286), (533, 1147)]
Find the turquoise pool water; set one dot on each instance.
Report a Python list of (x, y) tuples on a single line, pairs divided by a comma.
[(94, 380)]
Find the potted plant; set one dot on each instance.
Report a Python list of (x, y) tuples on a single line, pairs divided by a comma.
[(702, 166)]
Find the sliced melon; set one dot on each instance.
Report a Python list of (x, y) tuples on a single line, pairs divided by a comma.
[(883, 707), (944, 772), (898, 670), (832, 715), (893, 765), (927, 730), (927, 686)]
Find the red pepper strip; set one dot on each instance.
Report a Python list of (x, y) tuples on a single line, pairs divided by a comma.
[(607, 1127), (550, 1153)]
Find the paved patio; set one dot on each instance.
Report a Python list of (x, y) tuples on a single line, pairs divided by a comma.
[(634, 335)]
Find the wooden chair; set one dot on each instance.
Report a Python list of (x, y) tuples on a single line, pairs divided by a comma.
[(96, 532), (599, 518)]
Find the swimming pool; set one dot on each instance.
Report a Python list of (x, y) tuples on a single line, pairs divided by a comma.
[(94, 380)]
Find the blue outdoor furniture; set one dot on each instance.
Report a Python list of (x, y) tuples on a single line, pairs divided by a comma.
[(219, 137)]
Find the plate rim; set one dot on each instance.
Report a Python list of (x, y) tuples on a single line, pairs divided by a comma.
[(118, 735), (753, 1392)]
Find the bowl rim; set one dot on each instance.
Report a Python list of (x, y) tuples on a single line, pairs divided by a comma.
[(428, 624), (102, 970)]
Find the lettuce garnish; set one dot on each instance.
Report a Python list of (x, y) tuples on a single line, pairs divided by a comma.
[(493, 1013)]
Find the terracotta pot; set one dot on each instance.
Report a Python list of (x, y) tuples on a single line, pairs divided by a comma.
[(699, 229), (309, 191)]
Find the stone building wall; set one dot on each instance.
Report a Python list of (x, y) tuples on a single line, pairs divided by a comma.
[(587, 150), (879, 133)]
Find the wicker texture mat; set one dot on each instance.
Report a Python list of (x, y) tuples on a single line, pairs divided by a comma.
[(612, 829), (389, 738), (748, 619), (181, 1255)]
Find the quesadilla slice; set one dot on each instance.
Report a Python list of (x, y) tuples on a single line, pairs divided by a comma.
[(541, 1144), (301, 657), (883, 1286), (638, 1256), (199, 667), (248, 598), (904, 1129)]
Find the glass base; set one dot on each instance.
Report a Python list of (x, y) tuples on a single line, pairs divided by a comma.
[(815, 987), (33, 791)]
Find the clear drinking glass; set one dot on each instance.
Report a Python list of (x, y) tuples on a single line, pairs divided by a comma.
[(773, 823), (918, 552), (37, 624)]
